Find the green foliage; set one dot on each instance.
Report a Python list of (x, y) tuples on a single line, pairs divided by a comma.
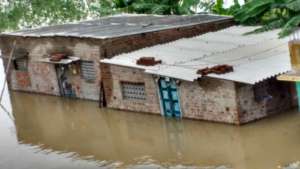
[(207, 5), (163, 7), (271, 14), (290, 26), (217, 7), (29, 13)]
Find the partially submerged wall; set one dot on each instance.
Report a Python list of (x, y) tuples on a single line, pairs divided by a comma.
[(206, 99), (41, 77), (263, 99), (115, 75), (209, 99)]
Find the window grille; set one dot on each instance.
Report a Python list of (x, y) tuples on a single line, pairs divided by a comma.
[(88, 71), (133, 91), (21, 64)]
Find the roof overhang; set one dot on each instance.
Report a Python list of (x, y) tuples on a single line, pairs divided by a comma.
[(69, 60), (254, 57), (291, 76)]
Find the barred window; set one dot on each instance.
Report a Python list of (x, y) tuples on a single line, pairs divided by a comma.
[(133, 91), (88, 71), (21, 64)]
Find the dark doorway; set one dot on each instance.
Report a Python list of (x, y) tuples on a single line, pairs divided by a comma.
[(65, 86)]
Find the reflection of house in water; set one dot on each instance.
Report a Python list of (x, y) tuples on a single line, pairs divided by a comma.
[(75, 126)]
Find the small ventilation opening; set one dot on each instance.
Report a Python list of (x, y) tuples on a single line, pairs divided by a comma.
[(88, 71), (133, 91)]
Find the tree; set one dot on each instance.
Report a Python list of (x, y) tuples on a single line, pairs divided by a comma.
[(18, 14), (271, 14), (218, 8), (163, 7), (30, 13)]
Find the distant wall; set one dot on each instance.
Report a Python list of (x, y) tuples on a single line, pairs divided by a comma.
[(41, 77), (130, 43), (263, 99)]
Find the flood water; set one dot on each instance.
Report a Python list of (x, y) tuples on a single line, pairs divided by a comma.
[(55, 133)]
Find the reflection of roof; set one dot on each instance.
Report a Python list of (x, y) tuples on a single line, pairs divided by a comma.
[(254, 57), (120, 25)]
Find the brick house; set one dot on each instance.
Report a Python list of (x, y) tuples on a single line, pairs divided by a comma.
[(63, 60), (210, 72), (221, 76)]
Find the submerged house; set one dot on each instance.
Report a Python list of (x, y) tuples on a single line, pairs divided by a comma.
[(64, 59), (221, 76), (199, 67)]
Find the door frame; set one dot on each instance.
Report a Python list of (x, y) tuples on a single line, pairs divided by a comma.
[(162, 109), (59, 80)]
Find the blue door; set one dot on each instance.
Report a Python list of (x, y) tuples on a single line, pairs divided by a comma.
[(169, 97)]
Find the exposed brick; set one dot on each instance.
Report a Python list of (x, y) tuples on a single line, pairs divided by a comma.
[(252, 109)]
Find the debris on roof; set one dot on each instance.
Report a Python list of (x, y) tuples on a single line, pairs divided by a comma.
[(117, 26), (254, 57), (58, 56), (148, 61), (219, 69)]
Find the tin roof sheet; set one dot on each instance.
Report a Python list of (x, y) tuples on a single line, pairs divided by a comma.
[(254, 57), (116, 26)]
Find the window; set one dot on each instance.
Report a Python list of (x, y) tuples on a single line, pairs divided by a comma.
[(88, 71), (133, 91), (20, 59), (21, 64)]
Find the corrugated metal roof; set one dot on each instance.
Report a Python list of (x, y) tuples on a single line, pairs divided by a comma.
[(116, 26), (254, 57)]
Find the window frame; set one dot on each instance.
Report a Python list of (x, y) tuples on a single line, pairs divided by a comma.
[(83, 71), (139, 96)]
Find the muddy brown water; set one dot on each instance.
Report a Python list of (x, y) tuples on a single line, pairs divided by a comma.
[(56, 133)]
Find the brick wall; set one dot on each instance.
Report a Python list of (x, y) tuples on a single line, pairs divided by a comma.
[(42, 77), (113, 93), (209, 99), (252, 108), (130, 43), (206, 99)]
